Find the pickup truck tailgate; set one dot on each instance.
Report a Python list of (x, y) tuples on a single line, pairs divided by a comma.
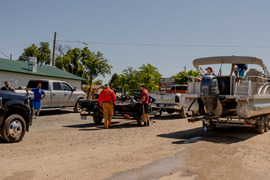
[(166, 98)]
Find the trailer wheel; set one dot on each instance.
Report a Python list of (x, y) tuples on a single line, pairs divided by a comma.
[(97, 119)]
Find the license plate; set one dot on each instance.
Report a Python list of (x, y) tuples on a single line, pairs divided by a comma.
[(83, 117)]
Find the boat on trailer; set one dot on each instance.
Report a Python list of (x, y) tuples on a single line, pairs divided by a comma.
[(227, 99)]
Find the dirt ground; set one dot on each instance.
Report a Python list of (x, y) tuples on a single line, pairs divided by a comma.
[(61, 146)]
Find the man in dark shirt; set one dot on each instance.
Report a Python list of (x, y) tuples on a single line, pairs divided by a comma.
[(7, 88), (145, 101)]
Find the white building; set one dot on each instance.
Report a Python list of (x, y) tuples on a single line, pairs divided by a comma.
[(18, 73)]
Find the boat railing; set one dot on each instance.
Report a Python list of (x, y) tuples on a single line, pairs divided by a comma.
[(246, 87), (194, 86)]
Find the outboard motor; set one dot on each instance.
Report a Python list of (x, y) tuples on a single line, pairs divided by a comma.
[(209, 95)]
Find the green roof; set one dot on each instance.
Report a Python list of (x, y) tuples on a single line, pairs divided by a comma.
[(44, 70)]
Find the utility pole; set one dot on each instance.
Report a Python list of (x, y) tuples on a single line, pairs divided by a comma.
[(54, 41)]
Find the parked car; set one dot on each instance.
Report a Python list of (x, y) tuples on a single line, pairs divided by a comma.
[(59, 94), (15, 116), (178, 89)]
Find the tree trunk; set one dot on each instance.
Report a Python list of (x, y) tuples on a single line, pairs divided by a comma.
[(90, 82)]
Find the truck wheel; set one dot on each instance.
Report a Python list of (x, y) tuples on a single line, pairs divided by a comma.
[(158, 114), (13, 128), (77, 108), (182, 114), (97, 119)]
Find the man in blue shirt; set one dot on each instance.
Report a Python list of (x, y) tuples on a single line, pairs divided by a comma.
[(39, 94)]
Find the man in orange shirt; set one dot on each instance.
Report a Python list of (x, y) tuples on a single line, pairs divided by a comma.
[(107, 99)]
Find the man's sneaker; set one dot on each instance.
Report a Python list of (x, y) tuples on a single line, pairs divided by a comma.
[(35, 117)]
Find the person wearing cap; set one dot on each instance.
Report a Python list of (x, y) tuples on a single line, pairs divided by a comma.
[(107, 99), (209, 71), (145, 101), (7, 88)]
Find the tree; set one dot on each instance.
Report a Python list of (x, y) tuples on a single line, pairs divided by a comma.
[(149, 76), (115, 81), (182, 77), (98, 82), (94, 64), (71, 62), (43, 53), (130, 79)]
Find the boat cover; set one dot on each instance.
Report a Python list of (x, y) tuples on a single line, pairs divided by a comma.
[(230, 60), (127, 107)]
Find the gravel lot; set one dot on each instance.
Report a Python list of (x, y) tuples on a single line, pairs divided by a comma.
[(61, 146)]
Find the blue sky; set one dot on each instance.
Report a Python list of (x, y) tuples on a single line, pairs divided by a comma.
[(167, 34)]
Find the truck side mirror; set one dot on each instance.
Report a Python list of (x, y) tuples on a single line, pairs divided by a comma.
[(75, 88)]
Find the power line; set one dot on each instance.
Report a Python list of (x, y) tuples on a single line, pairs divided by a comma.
[(180, 45)]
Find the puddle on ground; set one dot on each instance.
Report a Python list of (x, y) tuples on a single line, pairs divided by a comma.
[(154, 170)]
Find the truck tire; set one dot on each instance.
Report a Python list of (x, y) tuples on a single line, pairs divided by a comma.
[(77, 108), (13, 128), (182, 113), (97, 119)]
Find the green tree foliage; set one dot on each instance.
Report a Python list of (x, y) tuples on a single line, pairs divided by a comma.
[(115, 81), (98, 82), (43, 53), (149, 75), (71, 62), (94, 64), (131, 79), (182, 77)]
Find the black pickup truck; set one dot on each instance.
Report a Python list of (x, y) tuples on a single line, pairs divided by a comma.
[(15, 116)]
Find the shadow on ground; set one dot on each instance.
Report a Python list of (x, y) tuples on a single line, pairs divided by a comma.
[(224, 135), (54, 112), (115, 125), (167, 117)]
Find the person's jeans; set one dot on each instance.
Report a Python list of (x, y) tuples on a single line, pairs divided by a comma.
[(108, 114)]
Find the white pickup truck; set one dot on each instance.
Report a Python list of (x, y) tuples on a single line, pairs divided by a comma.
[(59, 94), (167, 102)]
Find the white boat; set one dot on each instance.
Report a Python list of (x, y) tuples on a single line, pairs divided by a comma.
[(227, 99)]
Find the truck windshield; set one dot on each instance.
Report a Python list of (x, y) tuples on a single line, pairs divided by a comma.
[(33, 84)]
